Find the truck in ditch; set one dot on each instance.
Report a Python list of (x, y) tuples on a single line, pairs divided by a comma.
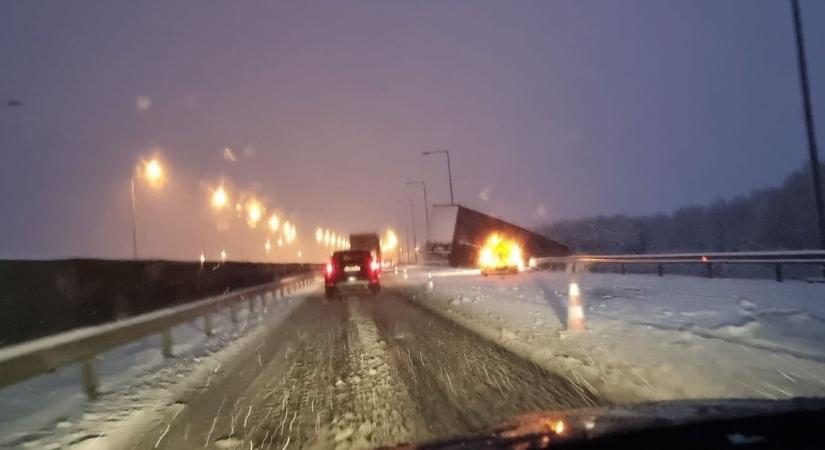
[(461, 237)]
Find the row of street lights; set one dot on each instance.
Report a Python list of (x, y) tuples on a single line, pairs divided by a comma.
[(426, 203), (153, 173), (253, 210), (331, 239)]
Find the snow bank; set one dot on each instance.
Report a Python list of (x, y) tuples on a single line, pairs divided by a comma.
[(650, 338)]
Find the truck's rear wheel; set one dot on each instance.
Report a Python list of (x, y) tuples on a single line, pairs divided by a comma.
[(375, 289), (329, 292)]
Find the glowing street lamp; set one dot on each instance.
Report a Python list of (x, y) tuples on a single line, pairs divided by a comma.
[(280, 242), (319, 235), (220, 199), (289, 232), (274, 223), (267, 246), (390, 242), (223, 255), (152, 172), (326, 238), (203, 258), (254, 212)]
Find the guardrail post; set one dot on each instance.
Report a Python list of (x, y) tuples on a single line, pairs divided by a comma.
[(233, 315), (207, 324), (90, 382), (282, 292), (660, 270), (166, 343), (573, 267), (621, 266), (778, 271), (710, 270), (251, 302)]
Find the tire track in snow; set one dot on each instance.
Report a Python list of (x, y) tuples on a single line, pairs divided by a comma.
[(375, 407), (461, 382)]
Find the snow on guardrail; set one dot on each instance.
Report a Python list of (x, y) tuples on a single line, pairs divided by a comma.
[(29, 359), (775, 258)]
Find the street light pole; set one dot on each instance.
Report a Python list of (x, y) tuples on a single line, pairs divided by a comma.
[(426, 203), (809, 123), (449, 170), (450, 177), (406, 235), (134, 223), (152, 172)]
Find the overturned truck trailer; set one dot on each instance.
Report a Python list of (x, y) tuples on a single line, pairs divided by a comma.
[(457, 233)]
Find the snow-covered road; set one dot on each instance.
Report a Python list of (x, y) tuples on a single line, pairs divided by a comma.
[(423, 362), (358, 373)]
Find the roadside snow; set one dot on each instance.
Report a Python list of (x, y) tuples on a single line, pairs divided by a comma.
[(649, 338), (136, 383)]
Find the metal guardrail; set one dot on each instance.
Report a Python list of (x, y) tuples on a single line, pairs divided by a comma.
[(776, 258), (29, 359)]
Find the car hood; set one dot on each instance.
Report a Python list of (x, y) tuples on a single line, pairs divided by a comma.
[(588, 423)]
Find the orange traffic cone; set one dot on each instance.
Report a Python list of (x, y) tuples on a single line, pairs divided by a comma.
[(575, 310)]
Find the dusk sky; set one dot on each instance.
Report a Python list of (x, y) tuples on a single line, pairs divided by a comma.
[(551, 110)]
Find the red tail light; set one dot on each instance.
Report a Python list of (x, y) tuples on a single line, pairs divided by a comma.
[(330, 268), (375, 265)]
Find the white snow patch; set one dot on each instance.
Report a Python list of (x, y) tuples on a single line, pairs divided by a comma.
[(649, 337)]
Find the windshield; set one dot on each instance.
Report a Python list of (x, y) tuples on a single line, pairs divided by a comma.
[(359, 224)]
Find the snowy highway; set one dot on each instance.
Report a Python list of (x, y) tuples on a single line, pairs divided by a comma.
[(360, 372), (430, 358)]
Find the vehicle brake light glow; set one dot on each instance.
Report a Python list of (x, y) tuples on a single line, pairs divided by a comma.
[(329, 268), (375, 265)]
